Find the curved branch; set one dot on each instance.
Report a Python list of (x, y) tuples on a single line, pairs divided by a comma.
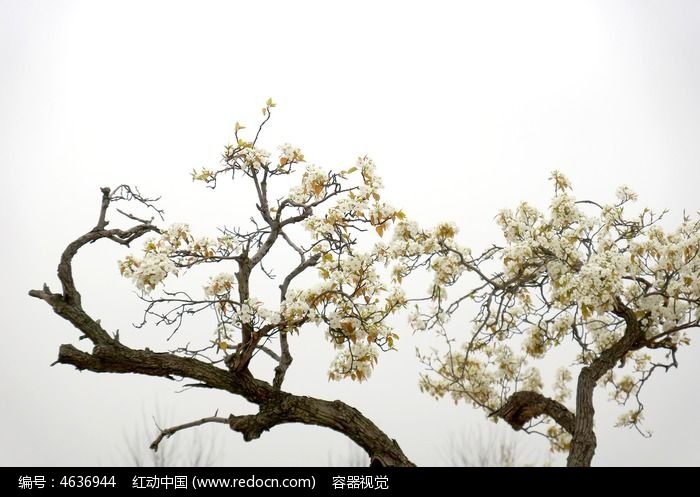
[(336, 415), (584, 441), (123, 237), (523, 406), (276, 407)]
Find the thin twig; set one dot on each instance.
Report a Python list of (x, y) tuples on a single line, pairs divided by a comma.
[(169, 432)]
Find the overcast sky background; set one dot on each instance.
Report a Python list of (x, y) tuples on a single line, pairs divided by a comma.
[(465, 106)]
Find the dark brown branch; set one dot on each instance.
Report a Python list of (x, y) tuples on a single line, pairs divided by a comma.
[(75, 315), (117, 358), (124, 237), (584, 442), (336, 415), (524, 406), (276, 407), (65, 270)]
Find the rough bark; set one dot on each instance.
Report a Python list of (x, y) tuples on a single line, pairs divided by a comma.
[(523, 406), (583, 443), (276, 407)]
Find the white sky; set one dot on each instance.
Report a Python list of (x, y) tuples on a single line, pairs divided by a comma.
[(465, 106)]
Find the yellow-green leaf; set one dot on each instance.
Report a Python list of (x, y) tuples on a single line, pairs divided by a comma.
[(585, 311)]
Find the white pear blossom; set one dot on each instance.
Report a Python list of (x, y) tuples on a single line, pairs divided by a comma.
[(220, 285), (288, 153), (148, 272), (575, 274), (254, 158)]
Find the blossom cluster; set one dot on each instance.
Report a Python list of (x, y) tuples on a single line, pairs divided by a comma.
[(565, 275), (351, 301), (175, 248)]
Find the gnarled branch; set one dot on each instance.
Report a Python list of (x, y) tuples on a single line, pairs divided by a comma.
[(524, 406), (275, 406)]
